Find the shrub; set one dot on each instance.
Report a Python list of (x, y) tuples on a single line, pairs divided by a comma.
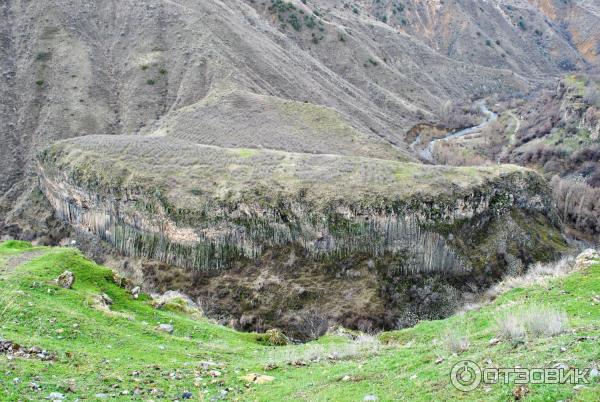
[(43, 56), (547, 322), (295, 22), (150, 82), (567, 65), (578, 203), (273, 337), (591, 96), (310, 21)]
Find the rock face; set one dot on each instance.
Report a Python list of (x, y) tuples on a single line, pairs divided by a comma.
[(405, 235), (391, 210)]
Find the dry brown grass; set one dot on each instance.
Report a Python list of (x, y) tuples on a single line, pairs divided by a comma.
[(537, 274), (362, 346), (533, 322), (456, 342)]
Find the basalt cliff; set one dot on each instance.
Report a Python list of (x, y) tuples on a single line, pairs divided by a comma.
[(270, 238)]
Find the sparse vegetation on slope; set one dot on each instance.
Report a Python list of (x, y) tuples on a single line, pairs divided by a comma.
[(121, 354)]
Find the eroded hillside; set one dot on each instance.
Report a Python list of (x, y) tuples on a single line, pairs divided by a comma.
[(80, 68)]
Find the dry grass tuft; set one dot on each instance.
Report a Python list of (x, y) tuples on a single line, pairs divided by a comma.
[(362, 346), (537, 274), (535, 321), (456, 342)]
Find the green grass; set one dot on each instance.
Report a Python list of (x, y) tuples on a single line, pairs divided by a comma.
[(246, 153), (102, 163), (570, 141), (99, 351)]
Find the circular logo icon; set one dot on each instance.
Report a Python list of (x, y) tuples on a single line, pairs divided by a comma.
[(465, 376)]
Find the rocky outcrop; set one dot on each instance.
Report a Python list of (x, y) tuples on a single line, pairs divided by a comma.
[(215, 234), (392, 228)]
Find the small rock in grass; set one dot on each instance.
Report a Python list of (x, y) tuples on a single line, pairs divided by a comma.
[(55, 396), (258, 378), (106, 298), (186, 395), (346, 378), (175, 301), (370, 398), (586, 258), (135, 292), (494, 341), (439, 360), (66, 280), (561, 366), (101, 396), (271, 366), (168, 328)]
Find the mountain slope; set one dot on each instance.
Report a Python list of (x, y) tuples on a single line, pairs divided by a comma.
[(79, 68), (117, 352)]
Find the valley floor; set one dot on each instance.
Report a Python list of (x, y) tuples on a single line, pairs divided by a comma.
[(118, 353)]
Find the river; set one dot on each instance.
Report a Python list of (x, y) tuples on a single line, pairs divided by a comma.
[(427, 152)]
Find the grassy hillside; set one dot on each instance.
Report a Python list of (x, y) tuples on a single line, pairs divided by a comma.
[(119, 354)]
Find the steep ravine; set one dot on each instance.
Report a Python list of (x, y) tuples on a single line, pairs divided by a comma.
[(292, 253)]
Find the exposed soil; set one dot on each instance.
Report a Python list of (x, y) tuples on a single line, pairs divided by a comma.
[(20, 259)]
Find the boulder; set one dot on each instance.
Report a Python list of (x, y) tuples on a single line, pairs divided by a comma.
[(273, 337), (167, 328), (66, 280), (587, 258), (175, 301)]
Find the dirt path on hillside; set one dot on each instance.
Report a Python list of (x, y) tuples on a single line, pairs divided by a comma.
[(14, 261)]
